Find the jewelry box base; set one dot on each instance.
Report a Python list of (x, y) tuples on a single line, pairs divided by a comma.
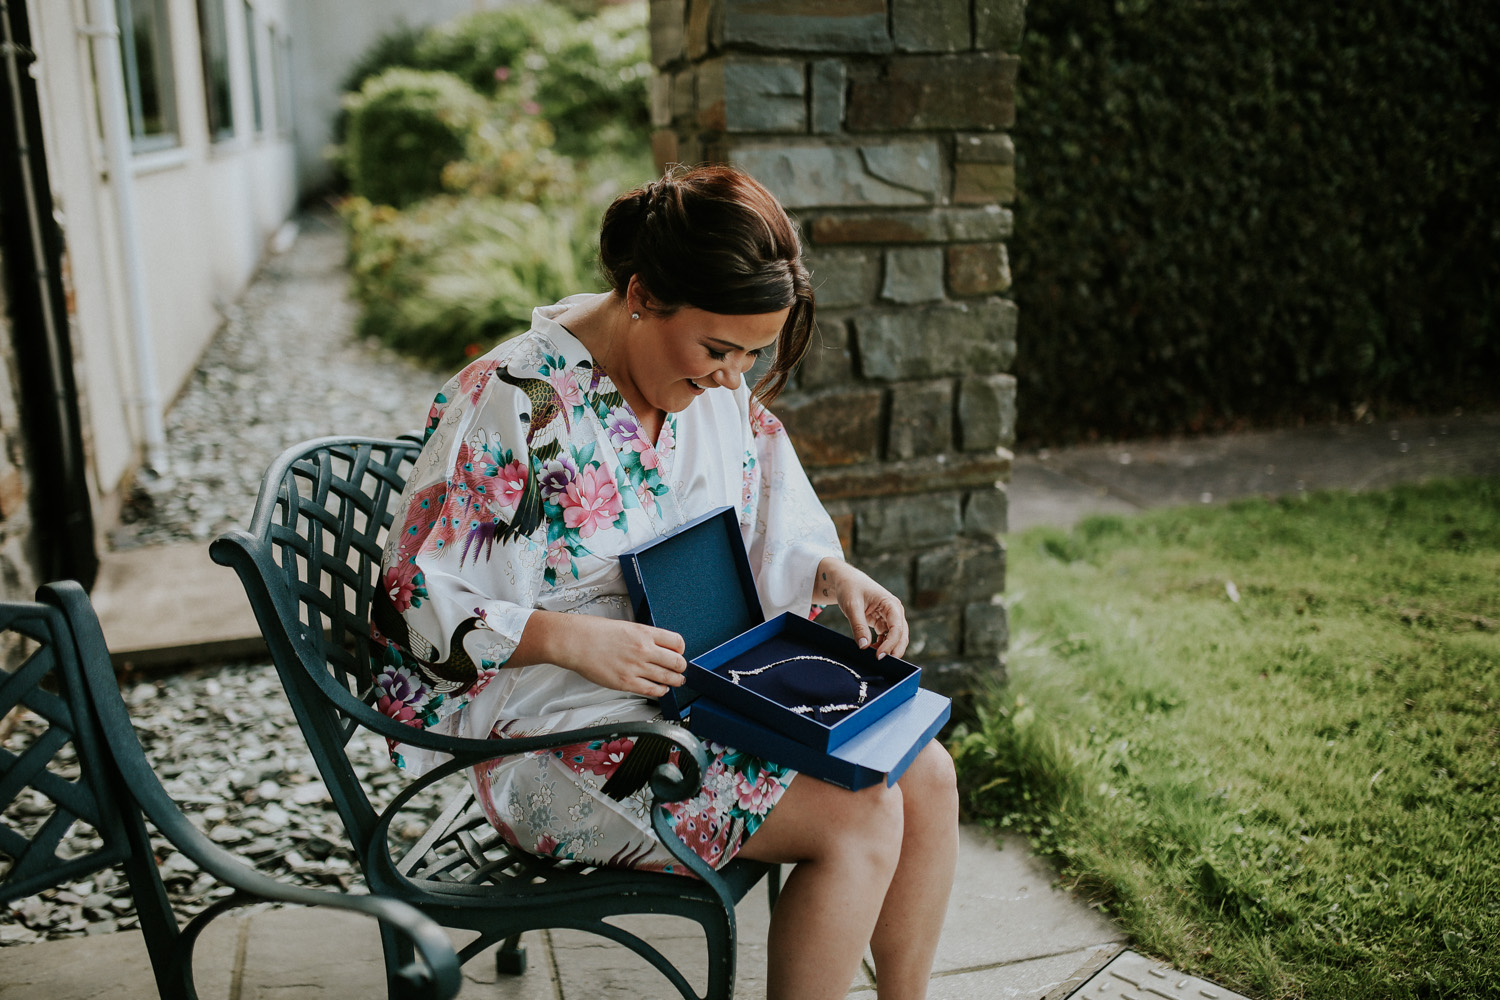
[(881, 753)]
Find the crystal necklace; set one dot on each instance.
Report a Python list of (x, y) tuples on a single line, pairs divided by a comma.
[(864, 685)]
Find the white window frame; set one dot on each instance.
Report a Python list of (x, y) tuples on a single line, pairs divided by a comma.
[(169, 135)]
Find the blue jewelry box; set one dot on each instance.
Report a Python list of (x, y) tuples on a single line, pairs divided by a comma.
[(881, 753), (803, 686)]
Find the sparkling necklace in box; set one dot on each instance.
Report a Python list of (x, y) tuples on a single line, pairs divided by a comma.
[(813, 710)]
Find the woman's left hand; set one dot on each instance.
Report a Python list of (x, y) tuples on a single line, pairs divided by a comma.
[(874, 613)]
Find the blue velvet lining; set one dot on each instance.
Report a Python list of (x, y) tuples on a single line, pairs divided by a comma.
[(698, 583), (809, 682)]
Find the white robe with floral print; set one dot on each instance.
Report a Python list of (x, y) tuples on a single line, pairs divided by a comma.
[(473, 553)]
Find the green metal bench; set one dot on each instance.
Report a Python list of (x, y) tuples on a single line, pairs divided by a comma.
[(310, 563), (63, 676)]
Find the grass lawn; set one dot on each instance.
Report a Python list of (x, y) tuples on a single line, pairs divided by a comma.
[(1265, 736)]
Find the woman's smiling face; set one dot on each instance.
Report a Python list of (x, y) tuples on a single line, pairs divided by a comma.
[(675, 358)]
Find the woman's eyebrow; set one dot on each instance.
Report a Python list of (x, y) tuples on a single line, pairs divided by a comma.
[(731, 344)]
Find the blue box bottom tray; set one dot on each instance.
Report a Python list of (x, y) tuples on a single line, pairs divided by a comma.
[(881, 753)]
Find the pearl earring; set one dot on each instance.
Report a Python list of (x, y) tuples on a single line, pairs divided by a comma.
[(635, 315)]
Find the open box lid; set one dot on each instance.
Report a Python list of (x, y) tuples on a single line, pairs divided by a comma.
[(695, 581)]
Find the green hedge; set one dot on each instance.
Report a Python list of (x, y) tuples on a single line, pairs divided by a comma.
[(405, 127), (450, 277), (1239, 213), (468, 206)]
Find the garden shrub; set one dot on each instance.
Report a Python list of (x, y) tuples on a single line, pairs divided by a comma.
[(485, 48), (1254, 213), (449, 277), (497, 213), (405, 126), (593, 80)]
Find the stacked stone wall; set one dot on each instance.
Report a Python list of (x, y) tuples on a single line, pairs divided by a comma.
[(881, 125)]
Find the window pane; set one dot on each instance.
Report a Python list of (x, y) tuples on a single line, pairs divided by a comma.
[(250, 42), (214, 41), (146, 56), (281, 59)]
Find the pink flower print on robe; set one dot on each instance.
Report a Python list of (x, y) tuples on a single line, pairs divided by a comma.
[(591, 501), (565, 383), (512, 484), (558, 556), (649, 458), (756, 795), (762, 422), (401, 691), (668, 437), (403, 584)]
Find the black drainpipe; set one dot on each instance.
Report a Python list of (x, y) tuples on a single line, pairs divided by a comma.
[(31, 242)]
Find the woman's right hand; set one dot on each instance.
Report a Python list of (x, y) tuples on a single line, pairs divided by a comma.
[(620, 655)]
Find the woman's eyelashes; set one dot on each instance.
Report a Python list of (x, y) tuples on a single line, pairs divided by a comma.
[(721, 355)]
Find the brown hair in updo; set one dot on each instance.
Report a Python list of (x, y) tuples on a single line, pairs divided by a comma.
[(713, 238)]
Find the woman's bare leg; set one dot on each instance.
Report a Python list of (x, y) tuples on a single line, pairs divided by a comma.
[(845, 846), (911, 920)]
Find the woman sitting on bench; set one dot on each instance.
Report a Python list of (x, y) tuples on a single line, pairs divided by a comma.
[(618, 417)]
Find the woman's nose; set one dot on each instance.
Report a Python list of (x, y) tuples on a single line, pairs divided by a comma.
[(728, 376)]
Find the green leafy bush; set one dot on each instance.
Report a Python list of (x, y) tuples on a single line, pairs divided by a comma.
[(1254, 213), (397, 47), (496, 214), (449, 277), (593, 78), (405, 126), (485, 48)]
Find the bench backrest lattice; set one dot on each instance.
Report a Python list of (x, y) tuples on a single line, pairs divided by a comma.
[(310, 564), (76, 789)]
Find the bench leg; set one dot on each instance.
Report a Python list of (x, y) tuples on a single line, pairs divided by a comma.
[(510, 959)]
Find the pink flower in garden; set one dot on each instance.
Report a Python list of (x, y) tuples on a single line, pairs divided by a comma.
[(566, 385), (591, 501), (512, 484), (403, 584), (502, 73), (531, 107)]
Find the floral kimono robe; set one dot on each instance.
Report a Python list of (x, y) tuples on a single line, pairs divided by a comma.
[(534, 477)]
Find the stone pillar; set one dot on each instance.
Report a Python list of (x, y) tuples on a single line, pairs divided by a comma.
[(881, 125)]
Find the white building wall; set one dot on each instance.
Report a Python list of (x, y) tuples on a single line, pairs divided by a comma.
[(206, 211)]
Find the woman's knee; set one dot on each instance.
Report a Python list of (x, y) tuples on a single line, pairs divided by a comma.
[(930, 787), (870, 822)]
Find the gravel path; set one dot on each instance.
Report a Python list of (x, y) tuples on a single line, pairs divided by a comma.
[(286, 366)]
